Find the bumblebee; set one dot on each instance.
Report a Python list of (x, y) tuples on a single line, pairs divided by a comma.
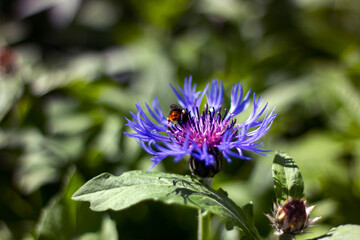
[(178, 114)]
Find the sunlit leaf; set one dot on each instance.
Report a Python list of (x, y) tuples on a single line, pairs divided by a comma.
[(343, 232), (119, 192), (288, 182)]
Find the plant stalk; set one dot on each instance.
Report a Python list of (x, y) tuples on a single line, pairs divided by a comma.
[(204, 217), (204, 222)]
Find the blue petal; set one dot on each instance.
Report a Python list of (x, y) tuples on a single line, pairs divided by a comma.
[(157, 114), (237, 103), (169, 149), (188, 97), (246, 139), (148, 122), (215, 95), (145, 129), (202, 154)]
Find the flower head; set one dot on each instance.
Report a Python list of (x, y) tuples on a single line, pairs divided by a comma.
[(206, 135), (292, 218)]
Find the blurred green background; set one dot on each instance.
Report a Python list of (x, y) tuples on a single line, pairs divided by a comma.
[(72, 71)]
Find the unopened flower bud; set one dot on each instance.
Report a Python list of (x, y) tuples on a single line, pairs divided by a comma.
[(292, 218)]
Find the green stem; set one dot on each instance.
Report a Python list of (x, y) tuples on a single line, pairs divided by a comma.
[(204, 217), (204, 221), (207, 181)]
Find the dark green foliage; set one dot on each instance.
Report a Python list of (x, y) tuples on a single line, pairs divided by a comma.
[(76, 77)]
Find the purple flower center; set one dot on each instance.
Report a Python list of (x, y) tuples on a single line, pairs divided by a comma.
[(205, 128)]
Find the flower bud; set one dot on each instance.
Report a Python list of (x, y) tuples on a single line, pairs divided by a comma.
[(292, 218), (202, 169)]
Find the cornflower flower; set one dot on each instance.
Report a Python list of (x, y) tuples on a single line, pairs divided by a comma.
[(207, 135)]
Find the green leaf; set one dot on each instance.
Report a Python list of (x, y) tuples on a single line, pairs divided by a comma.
[(288, 182), (119, 192), (249, 212), (343, 232), (5, 232), (108, 231), (10, 91), (58, 219)]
